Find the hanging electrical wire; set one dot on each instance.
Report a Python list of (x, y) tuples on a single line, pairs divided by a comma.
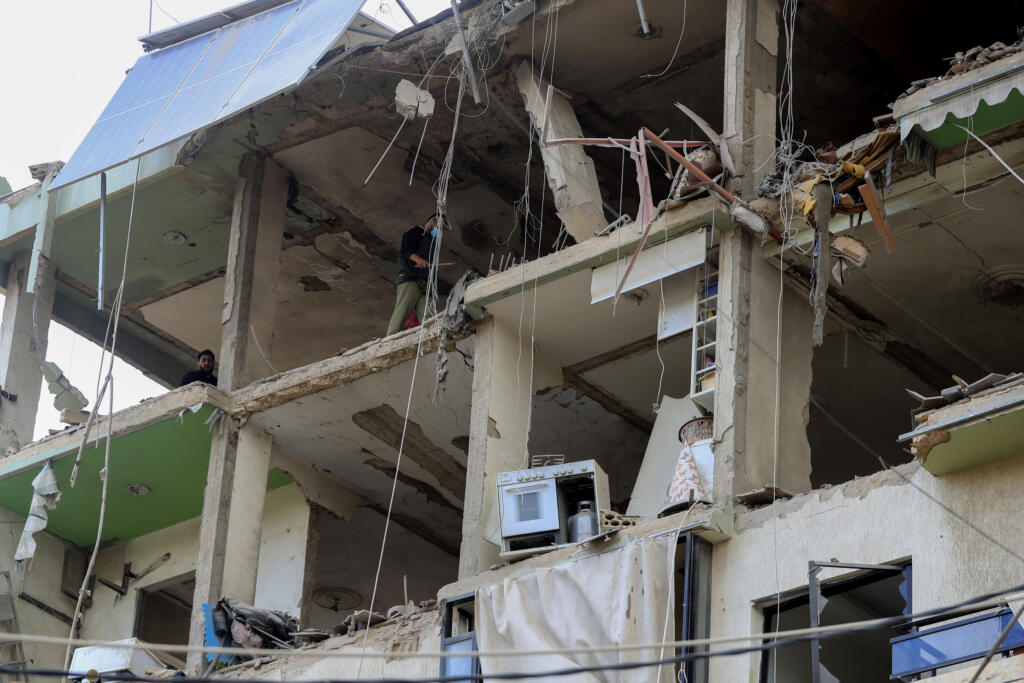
[(760, 642), (108, 385)]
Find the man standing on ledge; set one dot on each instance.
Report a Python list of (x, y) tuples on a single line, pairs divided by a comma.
[(413, 269), (204, 373)]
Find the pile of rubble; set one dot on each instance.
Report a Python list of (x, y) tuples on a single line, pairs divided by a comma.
[(972, 59)]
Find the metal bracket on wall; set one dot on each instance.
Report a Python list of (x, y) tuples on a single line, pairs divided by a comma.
[(126, 578), (814, 598), (52, 611), (89, 590)]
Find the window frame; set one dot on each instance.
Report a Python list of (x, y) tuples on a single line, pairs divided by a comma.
[(448, 607)]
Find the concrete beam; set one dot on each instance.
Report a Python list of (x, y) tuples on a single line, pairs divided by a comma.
[(571, 173), (386, 424), (318, 488), (607, 401), (332, 372), (153, 355), (23, 336), (594, 252)]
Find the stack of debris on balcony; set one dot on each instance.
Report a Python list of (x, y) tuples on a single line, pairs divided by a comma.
[(969, 60), (981, 399), (232, 624)]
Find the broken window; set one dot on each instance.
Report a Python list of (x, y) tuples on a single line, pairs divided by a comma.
[(869, 593), (459, 636), (164, 611)]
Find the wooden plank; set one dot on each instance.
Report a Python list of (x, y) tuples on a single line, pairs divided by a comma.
[(867, 192)]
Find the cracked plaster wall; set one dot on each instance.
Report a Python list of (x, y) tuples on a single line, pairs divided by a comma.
[(874, 520), (564, 421)]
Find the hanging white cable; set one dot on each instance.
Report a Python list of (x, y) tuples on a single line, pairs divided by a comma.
[(112, 324), (991, 151), (675, 52), (995, 599), (431, 296)]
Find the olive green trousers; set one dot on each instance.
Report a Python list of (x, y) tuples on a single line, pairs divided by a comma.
[(408, 295)]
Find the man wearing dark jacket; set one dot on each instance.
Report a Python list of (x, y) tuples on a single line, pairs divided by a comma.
[(413, 268), (204, 373)]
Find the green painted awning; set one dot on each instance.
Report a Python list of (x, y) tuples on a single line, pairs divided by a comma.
[(982, 100), (170, 458)]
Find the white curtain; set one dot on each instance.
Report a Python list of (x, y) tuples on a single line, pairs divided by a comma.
[(619, 597)]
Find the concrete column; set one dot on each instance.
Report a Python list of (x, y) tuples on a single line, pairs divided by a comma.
[(250, 282), (23, 337), (229, 530), (749, 286), (499, 428), (571, 173), (751, 51)]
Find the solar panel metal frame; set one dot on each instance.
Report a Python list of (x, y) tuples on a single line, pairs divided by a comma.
[(248, 91)]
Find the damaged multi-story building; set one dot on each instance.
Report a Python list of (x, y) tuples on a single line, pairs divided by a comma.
[(715, 382)]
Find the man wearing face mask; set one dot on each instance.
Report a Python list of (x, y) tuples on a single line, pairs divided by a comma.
[(413, 268)]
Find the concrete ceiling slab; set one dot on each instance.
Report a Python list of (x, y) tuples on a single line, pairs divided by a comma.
[(192, 315), (331, 295), (319, 429), (336, 166), (177, 202), (930, 289), (593, 37)]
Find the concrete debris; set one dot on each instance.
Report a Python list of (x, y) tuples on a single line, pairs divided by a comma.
[(42, 171), (66, 396), (74, 417), (765, 495), (611, 520), (962, 390), (411, 101), (969, 60)]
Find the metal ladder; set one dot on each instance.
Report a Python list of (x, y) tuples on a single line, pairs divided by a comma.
[(9, 619)]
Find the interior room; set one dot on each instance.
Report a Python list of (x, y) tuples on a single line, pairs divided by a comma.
[(942, 305), (624, 391), (346, 565), (351, 435)]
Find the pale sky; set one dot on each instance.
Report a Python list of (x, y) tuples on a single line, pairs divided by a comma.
[(62, 60)]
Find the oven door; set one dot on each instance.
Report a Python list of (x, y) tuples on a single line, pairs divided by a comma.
[(529, 508)]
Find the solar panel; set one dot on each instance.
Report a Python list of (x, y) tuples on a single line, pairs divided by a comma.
[(138, 101), (299, 47), (176, 91)]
